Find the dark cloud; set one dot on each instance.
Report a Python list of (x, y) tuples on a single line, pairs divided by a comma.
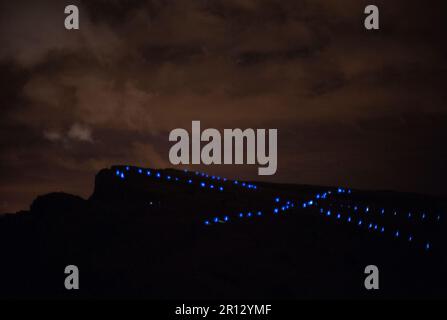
[(358, 108)]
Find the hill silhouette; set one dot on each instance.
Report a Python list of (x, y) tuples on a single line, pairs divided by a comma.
[(170, 234)]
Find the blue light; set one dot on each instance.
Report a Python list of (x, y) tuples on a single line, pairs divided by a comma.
[(127, 168), (216, 220), (211, 187), (117, 172), (382, 230), (397, 234), (423, 216), (427, 246), (189, 181), (409, 215), (148, 172), (259, 213), (367, 209), (283, 208), (207, 222), (310, 202), (360, 222), (410, 238), (140, 171), (158, 175), (318, 196), (235, 182), (383, 211), (304, 205), (338, 216), (375, 227), (328, 213), (241, 215), (243, 184), (355, 208), (122, 175), (370, 226), (226, 218), (221, 188), (249, 214), (168, 177), (203, 184), (213, 177), (275, 210)]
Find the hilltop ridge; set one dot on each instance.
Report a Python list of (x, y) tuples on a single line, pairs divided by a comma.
[(184, 234)]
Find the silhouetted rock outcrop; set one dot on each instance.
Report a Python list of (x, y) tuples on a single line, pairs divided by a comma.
[(57, 203)]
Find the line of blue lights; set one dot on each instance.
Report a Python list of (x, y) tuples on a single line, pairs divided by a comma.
[(213, 183), (370, 225)]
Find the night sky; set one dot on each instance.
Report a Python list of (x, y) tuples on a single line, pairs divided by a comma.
[(358, 108)]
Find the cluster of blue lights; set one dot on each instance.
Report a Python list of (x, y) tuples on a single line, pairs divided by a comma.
[(359, 216), (240, 215), (368, 225), (342, 190), (278, 207), (221, 179), (393, 212), (205, 181), (364, 216)]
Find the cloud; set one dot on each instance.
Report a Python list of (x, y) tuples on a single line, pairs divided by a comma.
[(80, 133), (53, 136), (77, 132)]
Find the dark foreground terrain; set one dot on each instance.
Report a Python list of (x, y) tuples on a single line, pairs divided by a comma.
[(174, 234)]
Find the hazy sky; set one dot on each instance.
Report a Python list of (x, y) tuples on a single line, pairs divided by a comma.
[(352, 107)]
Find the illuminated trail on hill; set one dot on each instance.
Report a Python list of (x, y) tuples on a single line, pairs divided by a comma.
[(327, 204)]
